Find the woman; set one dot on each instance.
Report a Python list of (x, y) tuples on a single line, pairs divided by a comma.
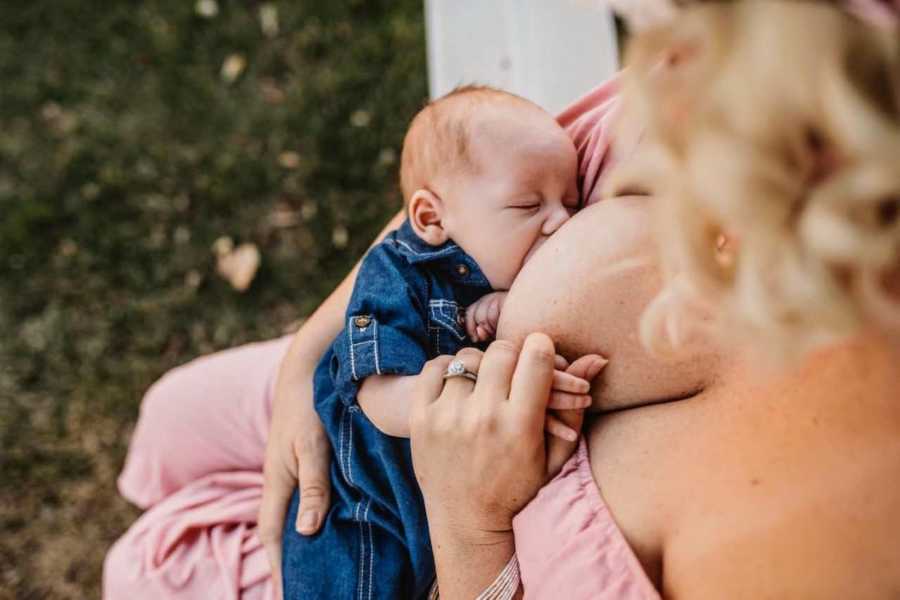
[(198, 538), (759, 483)]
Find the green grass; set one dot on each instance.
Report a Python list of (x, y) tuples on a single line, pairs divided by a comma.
[(124, 155)]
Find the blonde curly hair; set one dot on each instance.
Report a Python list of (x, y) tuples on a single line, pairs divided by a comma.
[(770, 131)]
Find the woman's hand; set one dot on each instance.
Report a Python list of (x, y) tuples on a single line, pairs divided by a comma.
[(297, 454), (479, 449), (480, 453)]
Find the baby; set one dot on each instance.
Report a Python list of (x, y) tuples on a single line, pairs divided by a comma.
[(486, 178)]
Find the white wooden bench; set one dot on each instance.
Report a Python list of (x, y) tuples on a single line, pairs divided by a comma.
[(549, 51)]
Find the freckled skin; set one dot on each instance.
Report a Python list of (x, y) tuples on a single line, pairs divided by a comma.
[(605, 262), (766, 484)]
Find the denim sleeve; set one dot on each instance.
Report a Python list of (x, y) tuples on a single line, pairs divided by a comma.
[(385, 331)]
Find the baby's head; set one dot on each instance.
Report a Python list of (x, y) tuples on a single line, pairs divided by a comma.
[(491, 171)]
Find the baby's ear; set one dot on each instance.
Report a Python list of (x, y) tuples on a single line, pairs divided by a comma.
[(426, 213)]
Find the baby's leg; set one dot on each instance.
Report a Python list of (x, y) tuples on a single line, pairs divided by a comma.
[(374, 540)]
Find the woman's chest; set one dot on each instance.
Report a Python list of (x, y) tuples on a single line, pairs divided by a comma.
[(756, 498)]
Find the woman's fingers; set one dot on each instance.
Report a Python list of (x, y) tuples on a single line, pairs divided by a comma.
[(278, 486), (533, 377), (273, 553), (471, 360), (496, 372), (560, 449), (430, 381), (314, 464)]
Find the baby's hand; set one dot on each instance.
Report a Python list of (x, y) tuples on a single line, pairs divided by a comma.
[(483, 315), (568, 400)]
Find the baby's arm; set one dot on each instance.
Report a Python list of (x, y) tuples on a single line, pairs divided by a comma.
[(483, 315), (385, 399)]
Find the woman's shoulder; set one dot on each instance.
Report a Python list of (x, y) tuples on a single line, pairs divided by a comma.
[(786, 476)]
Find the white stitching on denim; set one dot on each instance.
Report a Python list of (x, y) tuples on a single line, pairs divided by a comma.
[(439, 314), (362, 554), (341, 444), (447, 250), (375, 336), (350, 338), (350, 453), (353, 359), (439, 302), (371, 547)]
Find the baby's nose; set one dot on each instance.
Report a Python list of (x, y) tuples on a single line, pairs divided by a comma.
[(555, 220)]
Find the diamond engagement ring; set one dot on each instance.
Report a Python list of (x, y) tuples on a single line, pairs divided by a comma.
[(458, 369)]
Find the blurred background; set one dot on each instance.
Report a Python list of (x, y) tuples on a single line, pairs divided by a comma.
[(133, 136), (178, 177)]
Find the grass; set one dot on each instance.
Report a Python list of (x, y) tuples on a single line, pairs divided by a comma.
[(124, 154)]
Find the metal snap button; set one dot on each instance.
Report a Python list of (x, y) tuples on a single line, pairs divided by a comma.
[(462, 270), (362, 322)]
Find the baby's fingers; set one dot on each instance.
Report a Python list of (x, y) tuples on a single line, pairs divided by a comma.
[(557, 428), (587, 367), (566, 401), (493, 316), (471, 324), (482, 311), (567, 382)]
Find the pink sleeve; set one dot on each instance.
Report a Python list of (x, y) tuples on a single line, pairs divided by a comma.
[(587, 121)]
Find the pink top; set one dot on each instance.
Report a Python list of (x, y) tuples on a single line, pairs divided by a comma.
[(569, 545), (587, 121)]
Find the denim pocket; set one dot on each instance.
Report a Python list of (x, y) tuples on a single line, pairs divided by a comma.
[(446, 326)]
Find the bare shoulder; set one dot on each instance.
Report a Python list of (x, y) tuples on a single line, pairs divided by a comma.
[(765, 487)]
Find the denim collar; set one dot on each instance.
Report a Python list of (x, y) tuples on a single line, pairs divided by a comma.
[(447, 257)]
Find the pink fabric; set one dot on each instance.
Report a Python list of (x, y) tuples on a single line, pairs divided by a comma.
[(195, 465), (880, 13), (587, 121), (569, 545)]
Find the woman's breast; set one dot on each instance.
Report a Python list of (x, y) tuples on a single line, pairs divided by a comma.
[(587, 288)]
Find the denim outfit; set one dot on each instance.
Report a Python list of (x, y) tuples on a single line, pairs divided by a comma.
[(407, 307)]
